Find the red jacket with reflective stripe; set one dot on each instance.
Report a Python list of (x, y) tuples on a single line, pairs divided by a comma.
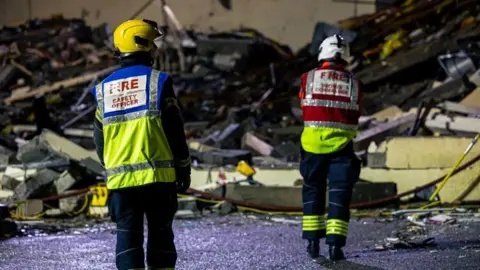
[(330, 97)]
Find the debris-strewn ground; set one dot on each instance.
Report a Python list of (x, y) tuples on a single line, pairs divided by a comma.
[(236, 242)]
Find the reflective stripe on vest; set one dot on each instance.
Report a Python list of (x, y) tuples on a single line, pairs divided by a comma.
[(326, 124), (136, 151)]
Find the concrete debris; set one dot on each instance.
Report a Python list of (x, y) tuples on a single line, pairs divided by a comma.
[(442, 219), (187, 214), (409, 236), (64, 182), (35, 184), (29, 208), (446, 125), (72, 204), (419, 152), (223, 208), (286, 221), (187, 204)]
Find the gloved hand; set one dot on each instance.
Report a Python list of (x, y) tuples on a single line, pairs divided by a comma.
[(183, 183)]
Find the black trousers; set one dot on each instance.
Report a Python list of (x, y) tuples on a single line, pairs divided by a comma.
[(127, 208), (342, 169)]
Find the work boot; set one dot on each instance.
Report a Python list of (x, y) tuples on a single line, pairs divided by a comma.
[(336, 253), (313, 248)]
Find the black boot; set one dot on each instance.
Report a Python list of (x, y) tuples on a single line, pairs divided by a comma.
[(336, 253), (313, 248)]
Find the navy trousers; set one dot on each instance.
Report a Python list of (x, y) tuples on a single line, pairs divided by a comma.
[(127, 208), (342, 169)]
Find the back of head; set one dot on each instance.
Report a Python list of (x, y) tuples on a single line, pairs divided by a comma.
[(334, 49), (134, 41)]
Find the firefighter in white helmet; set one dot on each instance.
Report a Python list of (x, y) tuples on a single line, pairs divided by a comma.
[(330, 99)]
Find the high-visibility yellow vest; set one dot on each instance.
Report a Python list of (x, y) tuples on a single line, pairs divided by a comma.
[(136, 150)]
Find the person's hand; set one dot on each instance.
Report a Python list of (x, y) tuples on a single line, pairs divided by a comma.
[(183, 183)]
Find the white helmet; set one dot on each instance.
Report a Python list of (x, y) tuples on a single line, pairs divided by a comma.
[(333, 47)]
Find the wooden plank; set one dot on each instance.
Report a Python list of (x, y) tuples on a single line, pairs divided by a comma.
[(24, 93)]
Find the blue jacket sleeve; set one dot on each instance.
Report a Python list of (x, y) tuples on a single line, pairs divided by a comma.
[(98, 131), (172, 123)]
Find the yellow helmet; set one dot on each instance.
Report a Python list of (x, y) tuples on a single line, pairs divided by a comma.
[(135, 36)]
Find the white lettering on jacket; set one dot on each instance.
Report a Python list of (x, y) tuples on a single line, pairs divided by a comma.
[(332, 83), (125, 93)]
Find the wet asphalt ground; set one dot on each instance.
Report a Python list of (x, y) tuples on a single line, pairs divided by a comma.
[(250, 242)]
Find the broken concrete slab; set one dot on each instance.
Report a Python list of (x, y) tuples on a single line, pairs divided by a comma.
[(187, 204), (278, 196), (52, 163), (224, 208), (34, 151), (64, 182), (18, 173), (452, 124), (199, 147), (292, 196), (64, 147), (408, 179), (253, 142), (381, 131), (34, 183), (9, 183), (72, 203), (29, 208), (420, 152), (187, 214), (366, 191), (459, 108), (49, 144)]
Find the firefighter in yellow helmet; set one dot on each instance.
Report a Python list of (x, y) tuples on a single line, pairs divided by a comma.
[(139, 137)]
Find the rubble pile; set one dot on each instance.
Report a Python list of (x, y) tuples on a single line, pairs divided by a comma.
[(419, 51), (238, 90)]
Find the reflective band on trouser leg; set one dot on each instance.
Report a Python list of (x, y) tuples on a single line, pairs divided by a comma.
[(313, 223), (337, 227)]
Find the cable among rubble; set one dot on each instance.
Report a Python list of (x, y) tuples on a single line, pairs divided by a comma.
[(18, 208), (249, 206)]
